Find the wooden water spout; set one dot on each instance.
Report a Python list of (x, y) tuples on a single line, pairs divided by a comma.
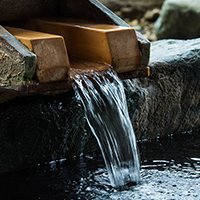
[(111, 44), (36, 141), (107, 40), (61, 44)]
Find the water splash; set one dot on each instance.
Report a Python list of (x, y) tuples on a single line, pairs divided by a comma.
[(106, 112)]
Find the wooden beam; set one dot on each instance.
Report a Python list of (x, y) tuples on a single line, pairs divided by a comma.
[(52, 59), (114, 45)]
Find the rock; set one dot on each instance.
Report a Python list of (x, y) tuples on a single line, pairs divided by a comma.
[(147, 24), (179, 19), (12, 10), (167, 102), (17, 62), (40, 128), (152, 15)]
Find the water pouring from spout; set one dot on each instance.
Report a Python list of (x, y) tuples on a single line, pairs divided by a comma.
[(102, 95)]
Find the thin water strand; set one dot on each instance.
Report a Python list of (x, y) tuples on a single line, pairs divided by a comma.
[(106, 112)]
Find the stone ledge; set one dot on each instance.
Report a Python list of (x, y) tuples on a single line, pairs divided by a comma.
[(167, 102)]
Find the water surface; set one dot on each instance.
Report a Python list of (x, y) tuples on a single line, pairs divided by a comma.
[(170, 170)]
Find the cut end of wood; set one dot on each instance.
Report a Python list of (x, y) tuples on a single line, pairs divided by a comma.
[(52, 58)]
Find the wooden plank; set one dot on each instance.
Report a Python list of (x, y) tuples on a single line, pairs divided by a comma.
[(52, 59), (114, 45)]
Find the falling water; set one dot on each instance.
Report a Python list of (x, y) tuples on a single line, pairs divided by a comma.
[(106, 112)]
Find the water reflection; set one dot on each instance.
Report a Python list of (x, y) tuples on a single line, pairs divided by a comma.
[(170, 170)]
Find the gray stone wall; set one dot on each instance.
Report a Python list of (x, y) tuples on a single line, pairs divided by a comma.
[(41, 128), (167, 102)]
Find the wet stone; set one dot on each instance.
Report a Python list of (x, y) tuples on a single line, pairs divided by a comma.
[(167, 101), (45, 128)]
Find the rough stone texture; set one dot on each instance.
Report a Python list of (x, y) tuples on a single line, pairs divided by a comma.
[(167, 102), (12, 10), (179, 19), (17, 62), (37, 129)]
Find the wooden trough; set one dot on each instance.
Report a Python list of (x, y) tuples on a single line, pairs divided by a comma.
[(65, 40), (43, 45)]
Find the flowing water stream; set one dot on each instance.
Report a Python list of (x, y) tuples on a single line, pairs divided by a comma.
[(103, 97)]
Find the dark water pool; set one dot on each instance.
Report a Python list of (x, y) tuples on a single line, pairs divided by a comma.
[(170, 170)]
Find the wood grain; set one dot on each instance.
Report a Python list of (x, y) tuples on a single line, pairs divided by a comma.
[(52, 59), (114, 45)]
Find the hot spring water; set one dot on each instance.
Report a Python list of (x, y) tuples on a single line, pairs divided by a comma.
[(105, 106)]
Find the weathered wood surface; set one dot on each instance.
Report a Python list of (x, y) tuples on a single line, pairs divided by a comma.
[(17, 62), (103, 43), (81, 66), (52, 58), (14, 13)]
